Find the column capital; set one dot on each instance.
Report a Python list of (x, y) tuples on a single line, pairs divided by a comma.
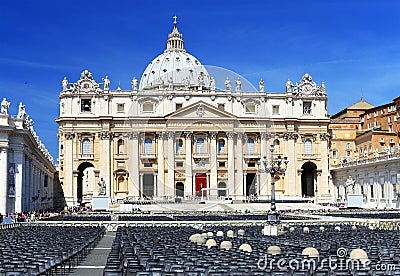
[(161, 135), (265, 135), (105, 135), (241, 136), (133, 135), (290, 136), (213, 134), (188, 134), (231, 135), (69, 135), (324, 136), (171, 135)]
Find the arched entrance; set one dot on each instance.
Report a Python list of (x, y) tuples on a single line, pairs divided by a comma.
[(85, 180), (179, 189), (222, 193), (308, 178)]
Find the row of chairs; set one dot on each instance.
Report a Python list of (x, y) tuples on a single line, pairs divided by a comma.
[(35, 250), (166, 250)]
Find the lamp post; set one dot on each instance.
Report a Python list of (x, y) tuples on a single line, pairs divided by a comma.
[(272, 167)]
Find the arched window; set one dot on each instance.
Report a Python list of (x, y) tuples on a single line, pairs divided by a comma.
[(148, 146), (221, 146), (200, 147), (250, 146), (307, 146), (179, 146), (120, 145), (86, 146)]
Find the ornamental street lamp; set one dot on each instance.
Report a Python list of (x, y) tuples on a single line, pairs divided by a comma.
[(272, 167)]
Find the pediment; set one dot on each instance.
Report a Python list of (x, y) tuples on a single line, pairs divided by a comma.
[(200, 110)]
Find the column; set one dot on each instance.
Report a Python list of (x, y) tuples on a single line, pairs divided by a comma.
[(19, 170), (213, 164), (170, 189), (189, 191), (231, 163), (155, 183), (75, 174), (134, 189), (3, 180), (68, 167), (240, 179), (105, 157), (262, 184), (290, 179), (324, 189), (160, 165), (141, 186)]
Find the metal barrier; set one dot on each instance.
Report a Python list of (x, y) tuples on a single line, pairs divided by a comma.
[(113, 225)]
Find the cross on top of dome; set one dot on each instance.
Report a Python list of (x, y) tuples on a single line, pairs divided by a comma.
[(175, 41)]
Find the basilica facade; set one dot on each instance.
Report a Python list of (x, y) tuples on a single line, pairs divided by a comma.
[(182, 132)]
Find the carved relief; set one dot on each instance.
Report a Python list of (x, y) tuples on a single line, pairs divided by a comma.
[(188, 134), (308, 88), (85, 84)]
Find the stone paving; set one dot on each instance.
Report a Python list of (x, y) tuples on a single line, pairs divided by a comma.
[(95, 261)]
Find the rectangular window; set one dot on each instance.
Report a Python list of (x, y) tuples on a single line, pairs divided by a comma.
[(221, 107), (369, 125), (307, 108), (120, 108), (390, 128), (348, 145), (178, 106), (86, 105), (334, 154), (389, 119), (179, 164), (147, 165), (221, 164), (250, 108), (375, 113), (371, 186), (251, 164), (148, 107), (275, 109), (348, 153), (368, 116)]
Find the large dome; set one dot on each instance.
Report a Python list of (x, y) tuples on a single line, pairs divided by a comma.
[(175, 67)]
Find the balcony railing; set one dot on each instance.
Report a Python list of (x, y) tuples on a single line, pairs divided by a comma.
[(202, 155), (384, 158), (252, 155), (86, 156), (148, 156)]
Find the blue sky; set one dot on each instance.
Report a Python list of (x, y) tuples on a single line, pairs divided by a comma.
[(353, 46)]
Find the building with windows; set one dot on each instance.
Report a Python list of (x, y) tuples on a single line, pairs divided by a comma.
[(27, 174), (343, 130), (181, 130), (374, 159)]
